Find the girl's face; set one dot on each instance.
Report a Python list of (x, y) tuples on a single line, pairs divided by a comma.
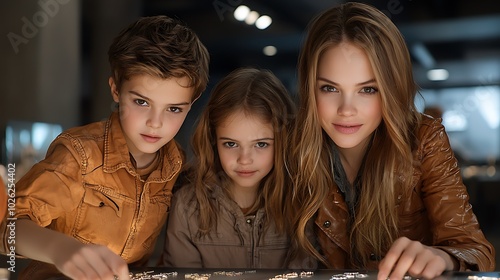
[(347, 96), (152, 111), (245, 144)]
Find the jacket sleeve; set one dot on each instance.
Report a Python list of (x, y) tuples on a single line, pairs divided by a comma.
[(454, 225), (180, 250), (49, 189)]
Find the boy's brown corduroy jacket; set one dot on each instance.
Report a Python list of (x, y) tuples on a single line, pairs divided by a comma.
[(88, 188)]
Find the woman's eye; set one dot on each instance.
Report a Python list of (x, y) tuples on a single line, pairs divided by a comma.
[(369, 90), (141, 102), (328, 88), (262, 144), (175, 109)]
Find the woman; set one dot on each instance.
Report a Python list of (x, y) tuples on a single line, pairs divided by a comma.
[(379, 179)]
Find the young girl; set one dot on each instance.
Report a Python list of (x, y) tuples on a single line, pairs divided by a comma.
[(230, 215), (379, 179)]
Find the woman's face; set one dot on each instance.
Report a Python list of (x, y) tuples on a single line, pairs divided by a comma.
[(347, 96)]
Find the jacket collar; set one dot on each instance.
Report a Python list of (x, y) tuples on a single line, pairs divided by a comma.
[(117, 155), (221, 197)]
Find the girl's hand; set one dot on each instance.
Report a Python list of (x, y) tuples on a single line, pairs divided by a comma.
[(89, 261), (412, 257)]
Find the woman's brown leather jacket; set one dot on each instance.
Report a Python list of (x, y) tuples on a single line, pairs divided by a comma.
[(437, 213)]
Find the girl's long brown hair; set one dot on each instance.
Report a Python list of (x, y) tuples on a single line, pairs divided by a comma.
[(390, 157), (257, 93)]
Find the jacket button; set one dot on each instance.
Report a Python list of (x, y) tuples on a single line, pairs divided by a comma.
[(101, 204), (249, 221), (327, 224)]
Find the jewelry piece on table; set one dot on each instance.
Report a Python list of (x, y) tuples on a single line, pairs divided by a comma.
[(196, 276), (150, 275), (292, 275), (338, 277), (233, 273), (349, 276), (306, 274)]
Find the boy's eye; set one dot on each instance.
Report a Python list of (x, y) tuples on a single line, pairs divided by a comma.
[(369, 90), (328, 88), (230, 144), (141, 102)]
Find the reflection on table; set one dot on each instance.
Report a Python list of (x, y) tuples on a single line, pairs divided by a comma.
[(231, 274)]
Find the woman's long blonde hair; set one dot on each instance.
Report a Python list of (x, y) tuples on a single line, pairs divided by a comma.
[(388, 163), (257, 93)]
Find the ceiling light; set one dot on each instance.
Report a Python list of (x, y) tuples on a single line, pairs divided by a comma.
[(263, 22), (241, 13), (437, 74), (270, 50), (251, 18)]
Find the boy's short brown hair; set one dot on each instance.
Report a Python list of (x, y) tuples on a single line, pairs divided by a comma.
[(162, 47)]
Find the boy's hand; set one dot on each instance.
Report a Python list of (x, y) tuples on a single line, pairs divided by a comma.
[(89, 261), (414, 258), (73, 258)]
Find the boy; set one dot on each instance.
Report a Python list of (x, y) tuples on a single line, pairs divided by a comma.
[(99, 199)]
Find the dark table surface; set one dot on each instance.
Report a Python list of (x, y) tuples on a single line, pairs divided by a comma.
[(249, 274)]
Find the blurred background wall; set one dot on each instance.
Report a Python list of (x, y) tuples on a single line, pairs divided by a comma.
[(54, 68)]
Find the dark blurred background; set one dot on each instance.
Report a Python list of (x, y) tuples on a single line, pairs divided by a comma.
[(54, 72)]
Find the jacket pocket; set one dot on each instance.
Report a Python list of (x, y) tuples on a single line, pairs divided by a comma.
[(99, 199), (102, 218)]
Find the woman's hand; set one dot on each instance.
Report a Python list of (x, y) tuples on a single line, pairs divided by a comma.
[(412, 257)]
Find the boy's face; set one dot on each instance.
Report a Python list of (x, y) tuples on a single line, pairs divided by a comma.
[(152, 111)]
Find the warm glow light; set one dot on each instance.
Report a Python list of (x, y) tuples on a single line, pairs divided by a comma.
[(241, 13), (270, 50), (251, 18), (437, 74), (263, 22)]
